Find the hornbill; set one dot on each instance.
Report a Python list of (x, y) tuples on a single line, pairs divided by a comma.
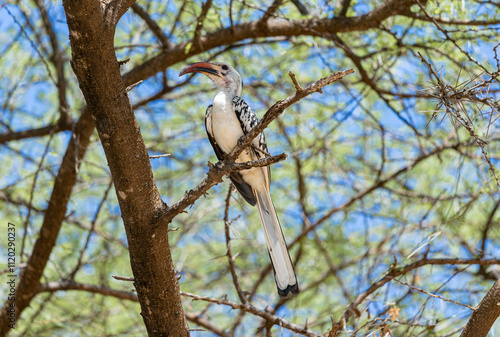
[(226, 121)]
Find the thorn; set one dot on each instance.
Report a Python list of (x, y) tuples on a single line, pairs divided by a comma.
[(160, 156), (130, 87), (123, 278), (295, 82), (120, 63), (173, 229)]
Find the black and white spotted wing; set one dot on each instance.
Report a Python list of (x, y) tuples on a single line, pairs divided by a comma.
[(248, 120)]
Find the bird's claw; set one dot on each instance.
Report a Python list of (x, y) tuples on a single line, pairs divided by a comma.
[(240, 142)]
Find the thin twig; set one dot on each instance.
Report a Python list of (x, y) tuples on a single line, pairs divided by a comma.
[(160, 156), (123, 278), (261, 313), (447, 95), (229, 254), (433, 295), (199, 25), (130, 87)]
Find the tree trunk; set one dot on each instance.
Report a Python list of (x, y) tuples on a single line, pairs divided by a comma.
[(91, 25), (485, 314)]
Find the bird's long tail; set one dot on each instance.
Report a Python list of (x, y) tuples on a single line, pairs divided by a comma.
[(276, 245)]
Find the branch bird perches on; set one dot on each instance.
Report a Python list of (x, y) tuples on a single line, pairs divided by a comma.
[(226, 121), (236, 136)]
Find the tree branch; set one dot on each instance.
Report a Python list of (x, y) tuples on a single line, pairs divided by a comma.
[(31, 133), (157, 31), (57, 60), (269, 12), (485, 314), (92, 288), (279, 107), (215, 173), (397, 271), (273, 28), (52, 287), (261, 313), (229, 254), (199, 25)]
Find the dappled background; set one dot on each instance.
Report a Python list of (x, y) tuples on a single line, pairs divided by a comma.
[(391, 171)]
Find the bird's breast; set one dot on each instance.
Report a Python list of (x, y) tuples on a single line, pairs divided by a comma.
[(225, 125), (227, 131)]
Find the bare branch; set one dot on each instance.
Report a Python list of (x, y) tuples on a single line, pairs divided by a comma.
[(270, 12), (199, 25), (72, 285), (422, 7), (57, 59), (450, 97), (123, 278), (32, 133), (391, 274), (215, 173), (279, 107), (261, 313), (257, 163), (157, 31), (485, 314), (433, 295), (160, 156), (229, 254), (52, 287), (300, 6), (274, 28)]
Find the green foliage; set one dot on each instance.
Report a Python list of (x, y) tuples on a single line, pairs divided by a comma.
[(346, 147)]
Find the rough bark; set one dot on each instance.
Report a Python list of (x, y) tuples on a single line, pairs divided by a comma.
[(104, 27), (91, 25), (485, 314)]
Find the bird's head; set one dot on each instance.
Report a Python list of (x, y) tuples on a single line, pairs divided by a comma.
[(224, 76)]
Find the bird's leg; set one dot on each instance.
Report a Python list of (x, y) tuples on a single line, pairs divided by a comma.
[(217, 165), (267, 154), (240, 142)]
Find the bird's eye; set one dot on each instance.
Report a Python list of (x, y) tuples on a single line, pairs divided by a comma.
[(225, 67)]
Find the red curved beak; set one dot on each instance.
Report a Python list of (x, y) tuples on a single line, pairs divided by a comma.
[(202, 67)]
